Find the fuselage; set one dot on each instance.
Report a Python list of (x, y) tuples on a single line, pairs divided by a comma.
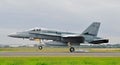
[(89, 35), (48, 35), (39, 33)]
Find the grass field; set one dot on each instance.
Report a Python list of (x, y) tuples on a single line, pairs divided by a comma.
[(59, 60), (46, 49)]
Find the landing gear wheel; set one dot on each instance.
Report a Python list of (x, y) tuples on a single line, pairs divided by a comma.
[(72, 49), (40, 47)]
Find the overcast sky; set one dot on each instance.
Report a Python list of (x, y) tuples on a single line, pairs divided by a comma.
[(65, 15)]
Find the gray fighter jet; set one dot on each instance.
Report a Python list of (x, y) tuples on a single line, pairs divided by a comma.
[(63, 38)]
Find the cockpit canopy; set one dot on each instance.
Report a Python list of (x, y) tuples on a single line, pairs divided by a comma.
[(35, 29)]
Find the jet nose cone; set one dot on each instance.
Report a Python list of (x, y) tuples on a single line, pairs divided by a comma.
[(12, 35)]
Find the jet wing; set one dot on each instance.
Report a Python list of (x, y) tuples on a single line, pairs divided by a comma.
[(59, 37), (73, 39)]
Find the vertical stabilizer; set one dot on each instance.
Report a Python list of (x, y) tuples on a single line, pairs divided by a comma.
[(92, 29)]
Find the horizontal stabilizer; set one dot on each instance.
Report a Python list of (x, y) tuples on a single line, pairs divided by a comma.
[(99, 41)]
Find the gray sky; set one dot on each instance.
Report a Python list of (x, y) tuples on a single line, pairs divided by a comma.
[(65, 15)]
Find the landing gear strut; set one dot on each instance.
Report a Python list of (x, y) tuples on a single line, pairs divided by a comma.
[(40, 47), (72, 49)]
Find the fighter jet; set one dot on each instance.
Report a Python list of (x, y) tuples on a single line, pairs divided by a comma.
[(63, 38)]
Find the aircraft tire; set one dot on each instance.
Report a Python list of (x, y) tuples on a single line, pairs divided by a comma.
[(72, 49), (40, 47)]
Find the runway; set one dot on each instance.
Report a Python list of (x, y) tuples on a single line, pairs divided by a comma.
[(76, 54)]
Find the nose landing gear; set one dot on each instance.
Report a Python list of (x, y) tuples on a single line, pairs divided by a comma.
[(40, 47)]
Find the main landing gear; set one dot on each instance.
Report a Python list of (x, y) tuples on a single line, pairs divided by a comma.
[(72, 49)]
